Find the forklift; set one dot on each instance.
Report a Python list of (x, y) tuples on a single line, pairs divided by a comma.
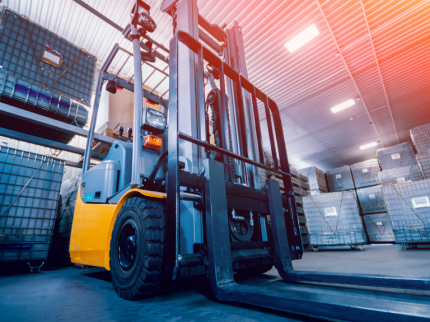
[(184, 197)]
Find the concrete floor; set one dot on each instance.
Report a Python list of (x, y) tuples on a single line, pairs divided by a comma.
[(72, 294)]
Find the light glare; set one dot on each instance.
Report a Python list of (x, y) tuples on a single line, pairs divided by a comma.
[(302, 38), (369, 145), (342, 106)]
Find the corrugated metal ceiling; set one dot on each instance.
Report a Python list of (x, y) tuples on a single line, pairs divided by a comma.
[(384, 60)]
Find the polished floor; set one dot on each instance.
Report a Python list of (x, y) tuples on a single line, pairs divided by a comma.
[(72, 294)]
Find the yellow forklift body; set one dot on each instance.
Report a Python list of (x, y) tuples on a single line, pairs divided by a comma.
[(92, 228)]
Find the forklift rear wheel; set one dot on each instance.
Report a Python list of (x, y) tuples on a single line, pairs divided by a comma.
[(137, 248)]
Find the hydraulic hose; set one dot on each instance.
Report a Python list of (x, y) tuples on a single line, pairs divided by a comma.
[(157, 166)]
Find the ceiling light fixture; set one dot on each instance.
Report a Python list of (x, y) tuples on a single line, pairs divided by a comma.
[(302, 38), (369, 145), (342, 106)]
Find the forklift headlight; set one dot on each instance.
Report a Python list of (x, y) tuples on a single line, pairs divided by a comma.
[(153, 121)]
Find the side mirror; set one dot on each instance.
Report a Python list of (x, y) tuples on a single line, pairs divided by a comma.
[(140, 16), (111, 87)]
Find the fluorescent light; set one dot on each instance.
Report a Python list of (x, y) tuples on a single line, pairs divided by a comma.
[(368, 145), (342, 106), (302, 38)]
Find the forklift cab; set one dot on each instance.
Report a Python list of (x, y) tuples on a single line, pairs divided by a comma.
[(105, 180)]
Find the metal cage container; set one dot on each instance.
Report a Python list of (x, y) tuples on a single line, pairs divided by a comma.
[(396, 156), (333, 219), (408, 205), (29, 192), (371, 200), (45, 74), (420, 136), (340, 179), (400, 175), (423, 159), (365, 173), (379, 228)]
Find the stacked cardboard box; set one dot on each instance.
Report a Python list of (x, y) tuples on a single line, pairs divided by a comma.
[(316, 177)]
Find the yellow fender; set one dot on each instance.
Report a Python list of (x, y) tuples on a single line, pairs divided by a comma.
[(92, 228)]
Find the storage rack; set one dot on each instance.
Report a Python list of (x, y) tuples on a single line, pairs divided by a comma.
[(60, 90)]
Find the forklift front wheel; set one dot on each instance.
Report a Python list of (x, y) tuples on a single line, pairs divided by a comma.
[(137, 248)]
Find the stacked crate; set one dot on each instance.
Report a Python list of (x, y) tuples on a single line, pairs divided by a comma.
[(420, 136), (409, 208), (317, 180), (301, 188), (406, 194), (365, 173), (29, 193), (396, 156), (398, 164), (340, 179), (423, 159), (379, 228), (334, 219), (400, 175), (371, 201)]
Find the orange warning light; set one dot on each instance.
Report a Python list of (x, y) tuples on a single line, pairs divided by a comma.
[(152, 142)]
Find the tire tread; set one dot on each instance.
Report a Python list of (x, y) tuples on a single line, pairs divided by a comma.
[(148, 282)]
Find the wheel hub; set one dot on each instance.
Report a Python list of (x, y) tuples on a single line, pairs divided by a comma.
[(127, 245)]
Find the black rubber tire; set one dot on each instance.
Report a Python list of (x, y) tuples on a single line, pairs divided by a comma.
[(145, 275), (254, 271)]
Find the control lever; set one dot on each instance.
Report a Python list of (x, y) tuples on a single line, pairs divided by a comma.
[(120, 133), (129, 134)]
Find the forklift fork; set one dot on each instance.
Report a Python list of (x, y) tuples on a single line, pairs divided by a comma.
[(313, 301)]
